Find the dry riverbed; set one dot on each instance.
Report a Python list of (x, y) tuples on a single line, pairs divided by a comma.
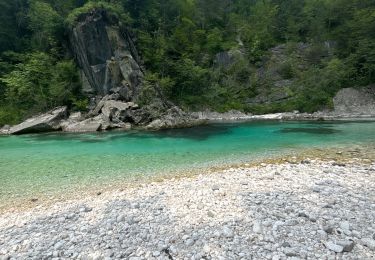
[(314, 209)]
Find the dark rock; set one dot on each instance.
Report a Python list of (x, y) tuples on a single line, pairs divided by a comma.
[(49, 121), (106, 54), (329, 229), (285, 244), (114, 110), (338, 164), (303, 215), (348, 245)]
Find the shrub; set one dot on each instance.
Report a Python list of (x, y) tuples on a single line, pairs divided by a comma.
[(113, 9)]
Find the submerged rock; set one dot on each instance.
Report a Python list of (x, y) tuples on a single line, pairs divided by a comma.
[(49, 121)]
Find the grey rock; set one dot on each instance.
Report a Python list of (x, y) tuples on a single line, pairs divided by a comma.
[(59, 245), (88, 125), (368, 242), (257, 227), (173, 118), (355, 101), (291, 222), (328, 229), (348, 245), (49, 121), (189, 242), (285, 244), (290, 252), (227, 232), (85, 209), (334, 247), (345, 225)]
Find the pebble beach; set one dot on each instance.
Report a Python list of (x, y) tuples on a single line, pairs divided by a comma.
[(301, 209)]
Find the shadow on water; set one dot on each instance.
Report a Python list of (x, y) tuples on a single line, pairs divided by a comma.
[(198, 133), (310, 130)]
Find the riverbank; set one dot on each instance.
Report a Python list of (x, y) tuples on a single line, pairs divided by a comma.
[(305, 208)]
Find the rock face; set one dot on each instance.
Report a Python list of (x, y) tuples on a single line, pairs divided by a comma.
[(355, 101), (49, 121), (107, 56), (173, 118), (88, 125)]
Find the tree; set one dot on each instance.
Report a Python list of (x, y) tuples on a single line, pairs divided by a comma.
[(46, 25)]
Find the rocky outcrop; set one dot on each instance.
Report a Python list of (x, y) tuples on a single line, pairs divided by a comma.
[(49, 121), (5, 130), (88, 125), (232, 115), (107, 56), (174, 118), (359, 101)]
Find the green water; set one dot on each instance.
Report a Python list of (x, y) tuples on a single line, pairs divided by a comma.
[(61, 163)]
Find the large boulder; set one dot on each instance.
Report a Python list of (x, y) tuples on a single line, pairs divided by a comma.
[(89, 125), (115, 109), (359, 101), (173, 118), (106, 54), (49, 121)]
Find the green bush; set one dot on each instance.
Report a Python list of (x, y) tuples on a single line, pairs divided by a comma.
[(9, 115), (40, 83), (111, 8)]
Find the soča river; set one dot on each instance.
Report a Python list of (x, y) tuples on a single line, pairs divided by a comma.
[(52, 164)]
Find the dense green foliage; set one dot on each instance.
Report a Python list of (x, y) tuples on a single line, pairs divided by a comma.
[(179, 42)]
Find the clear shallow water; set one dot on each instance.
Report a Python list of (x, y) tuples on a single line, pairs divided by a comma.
[(60, 163)]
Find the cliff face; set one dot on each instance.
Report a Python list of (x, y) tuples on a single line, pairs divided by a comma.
[(106, 55), (355, 101)]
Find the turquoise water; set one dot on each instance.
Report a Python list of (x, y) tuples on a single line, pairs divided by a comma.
[(60, 163)]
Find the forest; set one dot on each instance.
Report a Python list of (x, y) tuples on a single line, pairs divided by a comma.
[(311, 48)]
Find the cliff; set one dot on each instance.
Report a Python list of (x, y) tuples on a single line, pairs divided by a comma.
[(106, 54)]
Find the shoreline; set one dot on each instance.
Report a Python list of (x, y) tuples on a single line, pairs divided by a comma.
[(264, 210), (338, 154), (207, 117), (333, 154)]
